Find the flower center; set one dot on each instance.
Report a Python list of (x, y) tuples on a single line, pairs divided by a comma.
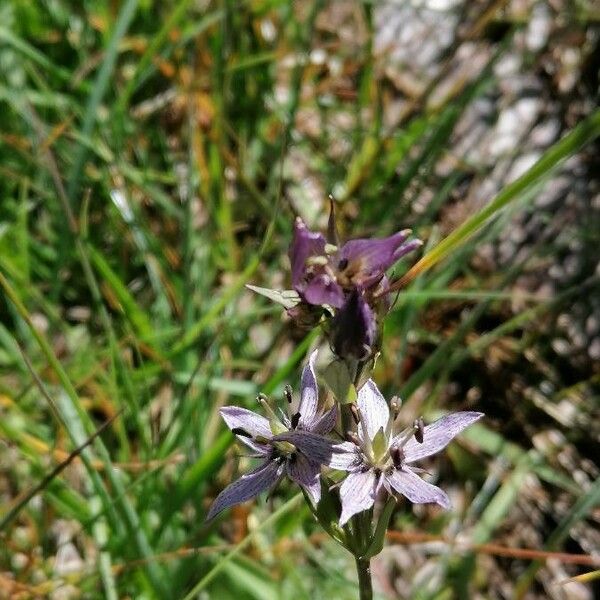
[(284, 449)]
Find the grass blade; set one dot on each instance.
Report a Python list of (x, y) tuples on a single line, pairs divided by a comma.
[(585, 132)]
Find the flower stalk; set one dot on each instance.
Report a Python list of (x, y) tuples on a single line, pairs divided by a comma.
[(365, 584)]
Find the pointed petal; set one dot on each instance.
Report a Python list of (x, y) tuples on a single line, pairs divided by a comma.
[(345, 456), (373, 408), (306, 243), (246, 487), (307, 474), (357, 493), (407, 248), (241, 418), (416, 490), (322, 289), (327, 422), (312, 445), (368, 259), (353, 328), (309, 394), (438, 435), (256, 425)]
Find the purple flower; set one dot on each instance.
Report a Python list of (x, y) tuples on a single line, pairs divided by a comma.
[(322, 274), (292, 444), (312, 276), (354, 328), (376, 459)]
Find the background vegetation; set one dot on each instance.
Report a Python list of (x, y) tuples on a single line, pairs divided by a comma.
[(152, 158)]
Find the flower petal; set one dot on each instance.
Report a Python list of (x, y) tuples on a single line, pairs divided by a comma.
[(242, 418), (416, 490), (306, 243), (438, 435), (345, 456), (407, 248), (353, 328), (246, 487), (322, 289), (367, 260), (309, 394), (357, 493), (312, 445), (374, 411), (251, 423), (306, 473), (327, 422)]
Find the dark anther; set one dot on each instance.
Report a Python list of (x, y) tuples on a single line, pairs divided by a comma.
[(287, 392), (295, 420), (397, 456), (343, 264), (355, 414), (293, 458), (241, 431), (419, 426)]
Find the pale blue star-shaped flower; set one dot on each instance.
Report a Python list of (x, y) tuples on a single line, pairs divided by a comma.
[(377, 459), (292, 444)]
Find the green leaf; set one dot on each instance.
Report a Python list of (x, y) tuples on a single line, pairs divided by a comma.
[(278, 514), (381, 528), (132, 310)]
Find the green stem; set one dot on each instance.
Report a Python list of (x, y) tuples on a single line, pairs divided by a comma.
[(363, 568)]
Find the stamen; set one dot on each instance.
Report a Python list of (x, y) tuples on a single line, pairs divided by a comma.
[(408, 434), (264, 402), (355, 414), (330, 249), (397, 456), (419, 427), (314, 261), (287, 392), (295, 420), (241, 431), (415, 431)]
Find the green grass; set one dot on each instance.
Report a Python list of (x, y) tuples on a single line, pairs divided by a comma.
[(153, 157)]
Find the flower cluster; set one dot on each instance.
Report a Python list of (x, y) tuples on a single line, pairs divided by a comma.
[(349, 281), (345, 283), (377, 460), (346, 456)]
